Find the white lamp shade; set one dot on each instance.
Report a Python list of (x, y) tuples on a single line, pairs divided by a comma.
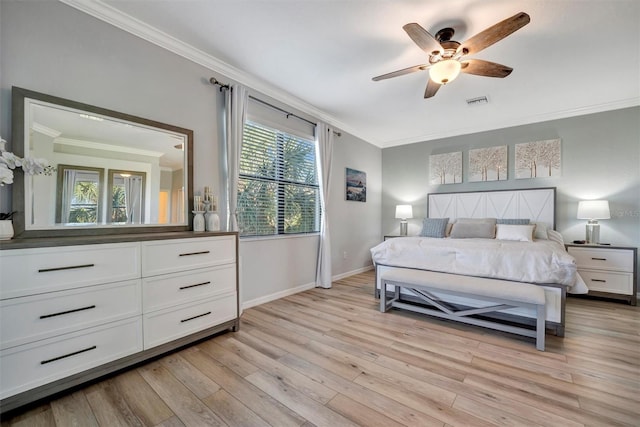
[(445, 71), (404, 211), (594, 209)]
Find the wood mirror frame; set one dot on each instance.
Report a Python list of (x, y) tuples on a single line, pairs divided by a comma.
[(20, 141)]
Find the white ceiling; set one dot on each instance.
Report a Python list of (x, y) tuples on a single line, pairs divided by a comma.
[(574, 57)]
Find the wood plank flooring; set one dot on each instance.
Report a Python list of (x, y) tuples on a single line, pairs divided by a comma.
[(327, 357)]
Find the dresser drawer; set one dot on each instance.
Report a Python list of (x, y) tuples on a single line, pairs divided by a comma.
[(170, 324), (28, 366), (169, 290), (605, 259), (607, 281), (41, 316), (34, 271), (170, 256)]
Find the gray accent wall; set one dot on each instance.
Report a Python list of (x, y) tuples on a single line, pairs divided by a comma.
[(49, 47), (600, 160)]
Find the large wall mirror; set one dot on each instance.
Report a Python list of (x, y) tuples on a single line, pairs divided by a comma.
[(115, 173)]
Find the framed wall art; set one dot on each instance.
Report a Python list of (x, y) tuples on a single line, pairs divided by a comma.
[(538, 159), (356, 185), (445, 168), (488, 164)]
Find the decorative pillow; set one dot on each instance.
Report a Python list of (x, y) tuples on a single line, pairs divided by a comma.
[(522, 233), (555, 237), (447, 232), (434, 227), (476, 220), (540, 232), (513, 221), (471, 230)]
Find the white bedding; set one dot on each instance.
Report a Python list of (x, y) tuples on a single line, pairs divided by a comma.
[(540, 261)]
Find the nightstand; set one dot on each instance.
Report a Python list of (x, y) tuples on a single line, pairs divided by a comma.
[(391, 236), (608, 271)]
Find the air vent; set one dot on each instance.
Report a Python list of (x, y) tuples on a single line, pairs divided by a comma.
[(481, 100)]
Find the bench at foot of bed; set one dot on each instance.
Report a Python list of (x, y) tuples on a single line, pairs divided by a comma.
[(504, 294)]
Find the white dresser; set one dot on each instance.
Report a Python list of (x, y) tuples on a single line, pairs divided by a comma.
[(608, 271), (73, 313)]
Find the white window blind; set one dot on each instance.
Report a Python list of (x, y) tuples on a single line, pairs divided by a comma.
[(278, 190)]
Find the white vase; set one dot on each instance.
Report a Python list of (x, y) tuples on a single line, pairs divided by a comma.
[(198, 221), (6, 229), (212, 221)]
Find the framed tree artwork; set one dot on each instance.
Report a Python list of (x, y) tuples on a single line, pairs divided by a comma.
[(538, 159), (488, 164), (445, 168)]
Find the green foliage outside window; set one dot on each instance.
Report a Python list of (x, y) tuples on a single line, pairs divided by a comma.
[(278, 191)]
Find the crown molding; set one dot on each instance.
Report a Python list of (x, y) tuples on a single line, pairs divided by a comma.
[(110, 15), (520, 121)]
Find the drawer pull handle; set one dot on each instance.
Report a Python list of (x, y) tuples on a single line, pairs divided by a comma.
[(71, 267), (598, 280), (195, 253), (195, 317), (193, 286), (46, 316), (598, 259), (44, 362)]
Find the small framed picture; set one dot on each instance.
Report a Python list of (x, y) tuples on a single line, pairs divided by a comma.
[(356, 185)]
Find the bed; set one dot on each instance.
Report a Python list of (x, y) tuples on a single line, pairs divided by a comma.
[(466, 253)]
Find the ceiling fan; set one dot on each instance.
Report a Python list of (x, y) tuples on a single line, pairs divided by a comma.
[(446, 56)]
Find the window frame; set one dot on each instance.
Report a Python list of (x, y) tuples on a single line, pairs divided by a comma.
[(280, 182)]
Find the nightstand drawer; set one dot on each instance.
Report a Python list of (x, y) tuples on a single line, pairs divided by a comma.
[(603, 281), (603, 259)]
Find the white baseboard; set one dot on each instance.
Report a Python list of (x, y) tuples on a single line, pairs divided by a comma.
[(352, 272), (272, 297)]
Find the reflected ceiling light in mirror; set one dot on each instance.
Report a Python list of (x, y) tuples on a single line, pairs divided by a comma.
[(90, 117)]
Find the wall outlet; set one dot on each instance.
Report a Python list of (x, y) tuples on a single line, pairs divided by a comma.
[(344, 255)]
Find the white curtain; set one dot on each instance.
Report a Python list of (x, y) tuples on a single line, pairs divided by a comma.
[(132, 197), (236, 102), (324, 150), (68, 187)]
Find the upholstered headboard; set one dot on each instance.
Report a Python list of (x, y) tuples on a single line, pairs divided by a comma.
[(537, 204)]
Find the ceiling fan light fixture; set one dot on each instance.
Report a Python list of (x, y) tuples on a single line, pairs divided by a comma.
[(445, 71)]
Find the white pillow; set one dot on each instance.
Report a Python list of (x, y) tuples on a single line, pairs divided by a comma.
[(522, 233), (556, 237), (540, 232)]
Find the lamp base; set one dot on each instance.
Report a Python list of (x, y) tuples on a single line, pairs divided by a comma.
[(403, 228), (593, 232)]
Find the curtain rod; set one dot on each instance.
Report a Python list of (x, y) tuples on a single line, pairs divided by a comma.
[(214, 81)]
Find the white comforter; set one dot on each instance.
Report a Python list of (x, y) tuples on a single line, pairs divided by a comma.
[(541, 261)]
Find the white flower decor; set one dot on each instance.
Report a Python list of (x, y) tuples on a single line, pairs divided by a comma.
[(30, 166)]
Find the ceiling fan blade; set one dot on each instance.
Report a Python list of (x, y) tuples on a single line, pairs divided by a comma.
[(485, 68), (422, 38), (401, 72), (432, 88), (494, 33)]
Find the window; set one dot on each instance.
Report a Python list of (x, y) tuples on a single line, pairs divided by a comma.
[(278, 191)]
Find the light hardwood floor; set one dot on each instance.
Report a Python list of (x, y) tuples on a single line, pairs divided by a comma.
[(329, 358)]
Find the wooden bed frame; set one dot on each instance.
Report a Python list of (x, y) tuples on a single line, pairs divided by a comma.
[(536, 204)]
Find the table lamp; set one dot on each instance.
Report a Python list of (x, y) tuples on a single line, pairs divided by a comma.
[(404, 212), (593, 210)]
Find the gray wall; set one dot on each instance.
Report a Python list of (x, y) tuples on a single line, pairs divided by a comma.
[(52, 48), (600, 160)]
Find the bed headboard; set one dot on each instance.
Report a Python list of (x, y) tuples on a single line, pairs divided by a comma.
[(537, 204)]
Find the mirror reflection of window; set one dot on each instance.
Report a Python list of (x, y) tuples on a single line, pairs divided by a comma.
[(78, 195), (127, 189)]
